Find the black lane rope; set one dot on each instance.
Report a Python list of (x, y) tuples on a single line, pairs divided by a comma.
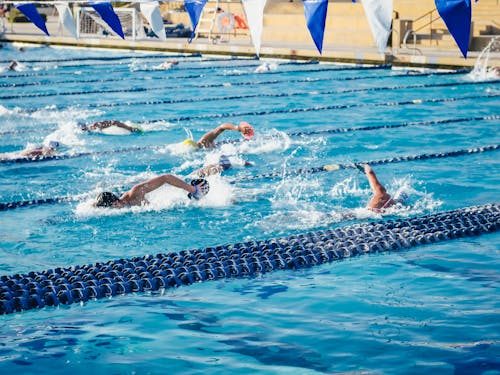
[(376, 127), (151, 273), (296, 110), (139, 89), (261, 113), (162, 76), (321, 108), (73, 156), (212, 85), (397, 159), (238, 97), (295, 134), (249, 63), (107, 58), (280, 174), (212, 67)]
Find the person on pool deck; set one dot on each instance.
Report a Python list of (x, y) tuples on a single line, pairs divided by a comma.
[(381, 200), (100, 125), (207, 140), (136, 196)]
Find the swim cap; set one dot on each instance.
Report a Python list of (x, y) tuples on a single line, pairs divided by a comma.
[(224, 162), (249, 133), (190, 142), (400, 197), (202, 188), (105, 199), (54, 144)]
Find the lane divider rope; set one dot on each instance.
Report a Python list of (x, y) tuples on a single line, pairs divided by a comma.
[(135, 89), (126, 68), (397, 159), (151, 273), (280, 174), (225, 84)]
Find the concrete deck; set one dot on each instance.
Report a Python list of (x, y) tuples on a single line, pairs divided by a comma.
[(242, 46)]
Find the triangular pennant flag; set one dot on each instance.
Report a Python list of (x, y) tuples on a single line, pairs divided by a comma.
[(456, 14), (315, 11), (194, 8), (29, 10), (254, 11), (151, 11), (66, 19), (109, 16), (379, 15)]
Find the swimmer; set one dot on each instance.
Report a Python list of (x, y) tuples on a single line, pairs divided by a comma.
[(265, 67), (37, 152), (101, 125), (136, 196), (223, 165), (381, 200), (13, 65), (207, 140), (166, 65)]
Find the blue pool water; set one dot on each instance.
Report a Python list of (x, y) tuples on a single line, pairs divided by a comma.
[(432, 308)]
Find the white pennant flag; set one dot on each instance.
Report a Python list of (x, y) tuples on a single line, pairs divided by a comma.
[(254, 11), (66, 19), (152, 13), (379, 14)]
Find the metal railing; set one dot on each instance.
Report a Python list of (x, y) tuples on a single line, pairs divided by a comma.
[(428, 20)]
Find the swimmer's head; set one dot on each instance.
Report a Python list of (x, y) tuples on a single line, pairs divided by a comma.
[(105, 199), (191, 143), (202, 188), (224, 162), (400, 197), (248, 131), (54, 144)]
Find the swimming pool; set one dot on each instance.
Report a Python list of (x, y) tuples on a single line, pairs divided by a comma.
[(431, 308)]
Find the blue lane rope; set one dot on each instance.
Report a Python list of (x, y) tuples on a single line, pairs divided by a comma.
[(212, 67), (129, 78), (245, 96), (397, 159), (108, 58), (212, 85), (135, 89), (376, 127), (72, 156), (151, 273), (322, 108), (280, 174)]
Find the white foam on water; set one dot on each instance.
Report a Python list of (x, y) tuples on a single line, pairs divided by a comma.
[(165, 197)]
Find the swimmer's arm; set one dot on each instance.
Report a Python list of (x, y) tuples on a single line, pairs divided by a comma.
[(209, 170), (375, 184), (140, 190), (208, 139), (107, 123)]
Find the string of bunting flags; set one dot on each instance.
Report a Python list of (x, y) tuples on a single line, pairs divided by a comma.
[(456, 14)]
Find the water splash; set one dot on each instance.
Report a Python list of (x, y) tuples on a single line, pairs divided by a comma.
[(481, 72)]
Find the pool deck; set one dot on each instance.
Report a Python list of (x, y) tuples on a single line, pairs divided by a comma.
[(242, 46)]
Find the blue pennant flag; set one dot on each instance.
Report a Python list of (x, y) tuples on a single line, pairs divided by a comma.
[(456, 14), (29, 10), (109, 16), (315, 11), (194, 8)]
